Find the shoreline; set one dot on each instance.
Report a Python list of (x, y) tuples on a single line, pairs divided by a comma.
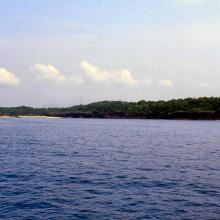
[(203, 108), (37, 116), (27, 116), (118, 118)]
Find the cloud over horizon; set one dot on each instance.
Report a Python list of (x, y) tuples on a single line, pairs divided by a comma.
[(166, 83), (122, 76), (7, 78), (50, 72)]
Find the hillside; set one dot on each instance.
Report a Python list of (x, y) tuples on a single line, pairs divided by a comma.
[(190, 108)]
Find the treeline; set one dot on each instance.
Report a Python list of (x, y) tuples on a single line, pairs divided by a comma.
[(190, 108)]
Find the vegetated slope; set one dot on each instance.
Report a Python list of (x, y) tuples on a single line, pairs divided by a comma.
[(190, 108)]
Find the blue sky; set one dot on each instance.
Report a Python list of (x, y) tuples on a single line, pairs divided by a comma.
[(53, 52)]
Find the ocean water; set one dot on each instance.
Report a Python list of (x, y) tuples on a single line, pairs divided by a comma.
[(109, 169)]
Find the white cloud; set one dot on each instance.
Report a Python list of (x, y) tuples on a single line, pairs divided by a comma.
[(48, 72), (93, 73), (8, 78), (111, 76), (167, 83), (52, 73)]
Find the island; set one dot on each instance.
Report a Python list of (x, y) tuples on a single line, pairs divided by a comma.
[(203, 108)]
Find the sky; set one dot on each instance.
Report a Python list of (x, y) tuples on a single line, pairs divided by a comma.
[(69, 52)]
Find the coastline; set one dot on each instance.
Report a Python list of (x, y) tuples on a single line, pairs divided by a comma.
[(37, 116), (111, 117), (203, 108), (6, 116), (27, 116)]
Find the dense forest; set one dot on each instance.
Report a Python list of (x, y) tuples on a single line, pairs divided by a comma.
[(190, 108)]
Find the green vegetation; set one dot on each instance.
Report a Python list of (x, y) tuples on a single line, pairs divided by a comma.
[(190, 108)]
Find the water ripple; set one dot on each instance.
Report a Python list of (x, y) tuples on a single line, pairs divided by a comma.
[(109, 169)]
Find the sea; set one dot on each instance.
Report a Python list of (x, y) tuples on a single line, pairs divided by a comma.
[(54, 168)]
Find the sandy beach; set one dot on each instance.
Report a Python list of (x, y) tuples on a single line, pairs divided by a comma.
[(27, 116), (36, 116)]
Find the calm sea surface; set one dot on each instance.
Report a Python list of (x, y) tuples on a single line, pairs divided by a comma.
[(109, 169)]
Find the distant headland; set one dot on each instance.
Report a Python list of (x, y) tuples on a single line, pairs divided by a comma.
[(190, 108)]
